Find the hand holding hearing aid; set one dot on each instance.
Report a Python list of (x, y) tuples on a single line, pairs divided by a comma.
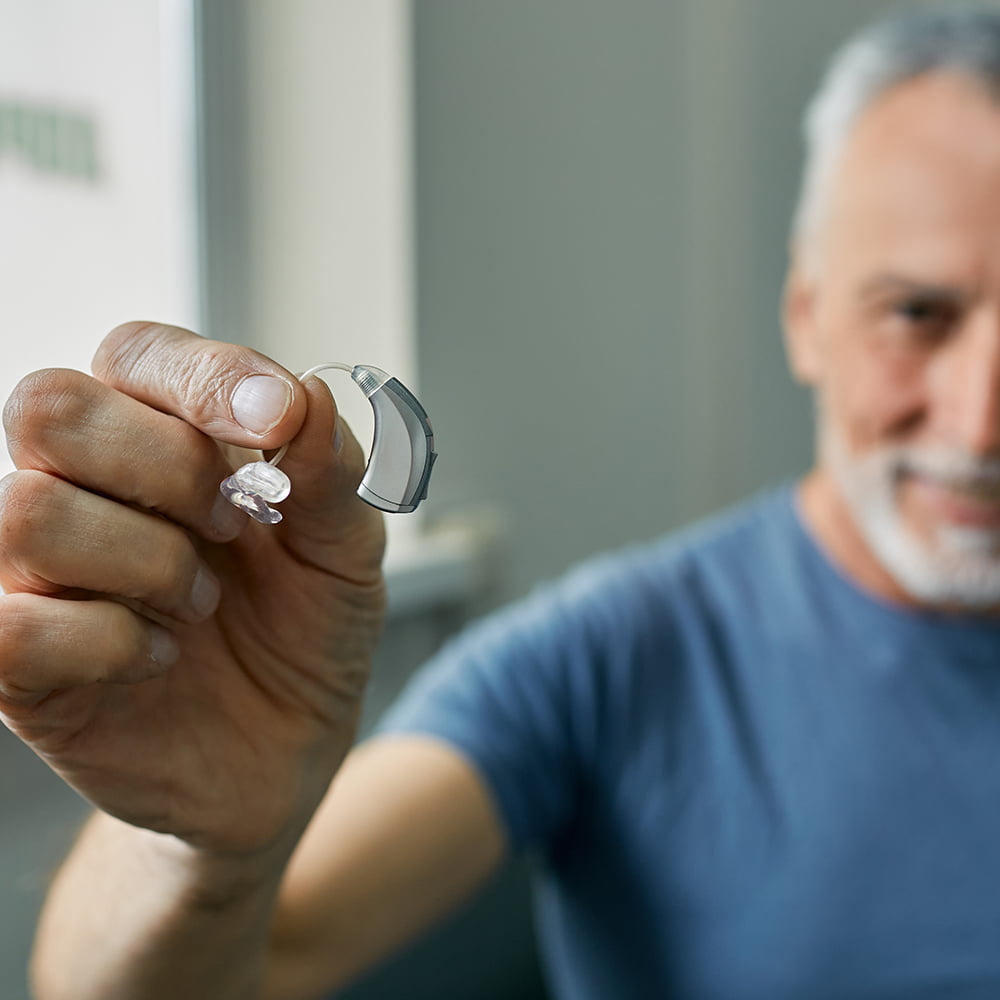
[(181, 665)]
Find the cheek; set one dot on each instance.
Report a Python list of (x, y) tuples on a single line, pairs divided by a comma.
[(870, 395)]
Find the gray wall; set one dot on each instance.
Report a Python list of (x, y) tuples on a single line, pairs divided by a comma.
[(603, 192)]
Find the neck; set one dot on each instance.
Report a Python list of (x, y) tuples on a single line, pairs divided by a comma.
[(834, 529)]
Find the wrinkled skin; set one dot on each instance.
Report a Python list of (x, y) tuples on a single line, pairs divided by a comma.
[(227, 736)]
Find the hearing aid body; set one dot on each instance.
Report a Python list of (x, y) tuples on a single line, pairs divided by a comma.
[(399, 466)]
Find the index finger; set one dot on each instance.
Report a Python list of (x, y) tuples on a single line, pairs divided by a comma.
[(229, 392)]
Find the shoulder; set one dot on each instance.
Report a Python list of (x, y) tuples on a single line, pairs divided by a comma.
[(716, 562), (603, 629), (625, 620), (552, 692)]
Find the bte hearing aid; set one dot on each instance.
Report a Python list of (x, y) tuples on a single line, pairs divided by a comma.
[(399, 466)]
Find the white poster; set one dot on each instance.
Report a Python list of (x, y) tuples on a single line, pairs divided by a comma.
[(98, 202)]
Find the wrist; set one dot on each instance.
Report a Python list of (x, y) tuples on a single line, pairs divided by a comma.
[(203, 879), (188, 922)]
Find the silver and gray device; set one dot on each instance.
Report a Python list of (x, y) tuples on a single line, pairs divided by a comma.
[(402, 455)]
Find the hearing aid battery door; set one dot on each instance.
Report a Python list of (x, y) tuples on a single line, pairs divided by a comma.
[(402, 455)]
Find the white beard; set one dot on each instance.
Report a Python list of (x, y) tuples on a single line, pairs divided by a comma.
[(958, 566)]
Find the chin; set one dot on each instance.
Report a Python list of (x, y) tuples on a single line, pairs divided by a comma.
[(942, 564)]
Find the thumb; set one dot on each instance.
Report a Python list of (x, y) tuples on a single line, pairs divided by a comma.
[(229, 392), (236, 395)]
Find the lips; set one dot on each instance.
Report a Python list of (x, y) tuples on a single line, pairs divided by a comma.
[(970, 504)]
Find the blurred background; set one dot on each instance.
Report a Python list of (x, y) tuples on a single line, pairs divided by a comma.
[(563, 222)]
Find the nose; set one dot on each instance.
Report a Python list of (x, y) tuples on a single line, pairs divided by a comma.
[(973, 387)]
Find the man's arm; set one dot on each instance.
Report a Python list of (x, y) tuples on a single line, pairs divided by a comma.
[(134, 914), (406, 832), (198, 677)]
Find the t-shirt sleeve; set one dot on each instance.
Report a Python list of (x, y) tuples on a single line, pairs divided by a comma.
[(516, 695)]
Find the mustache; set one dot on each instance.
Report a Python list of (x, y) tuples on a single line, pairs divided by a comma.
[(947, 466)]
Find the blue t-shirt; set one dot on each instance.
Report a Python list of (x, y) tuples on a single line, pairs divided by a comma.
[(746, 778)]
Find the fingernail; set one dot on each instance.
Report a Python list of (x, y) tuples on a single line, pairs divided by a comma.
[(163, 646), (338, 439), (227, 521), (260, 401), (205, 593)]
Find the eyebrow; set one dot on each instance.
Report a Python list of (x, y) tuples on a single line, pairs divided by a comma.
[(883, 284)]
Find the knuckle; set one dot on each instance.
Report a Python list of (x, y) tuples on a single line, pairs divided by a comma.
[(124, 348), (27, 499), (204, 382), (14, 627), (17, 630), (41, 401)]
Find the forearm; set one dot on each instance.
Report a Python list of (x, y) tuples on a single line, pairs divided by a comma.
[(134, 915)]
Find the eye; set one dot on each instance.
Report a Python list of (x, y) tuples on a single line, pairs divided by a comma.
[(925, 319), (919, 310)]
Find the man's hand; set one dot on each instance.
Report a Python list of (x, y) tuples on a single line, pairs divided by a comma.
[(183, 667)]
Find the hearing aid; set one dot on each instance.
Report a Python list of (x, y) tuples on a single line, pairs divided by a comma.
[(399, 465)]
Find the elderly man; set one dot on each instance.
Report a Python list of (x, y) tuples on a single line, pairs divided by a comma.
[(760, 759)]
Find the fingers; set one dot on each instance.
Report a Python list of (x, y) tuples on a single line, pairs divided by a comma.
[(54, 536), (72, 426), (47, 644), (229, 392), (325, 465), (141, 432), (324, 462)]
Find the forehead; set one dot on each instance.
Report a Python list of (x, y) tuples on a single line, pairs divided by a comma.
[(919, 177)]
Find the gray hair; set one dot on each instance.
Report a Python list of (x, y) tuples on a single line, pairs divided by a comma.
[(899, 48)]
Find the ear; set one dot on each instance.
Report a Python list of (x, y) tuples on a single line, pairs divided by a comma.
[(798, 310)]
